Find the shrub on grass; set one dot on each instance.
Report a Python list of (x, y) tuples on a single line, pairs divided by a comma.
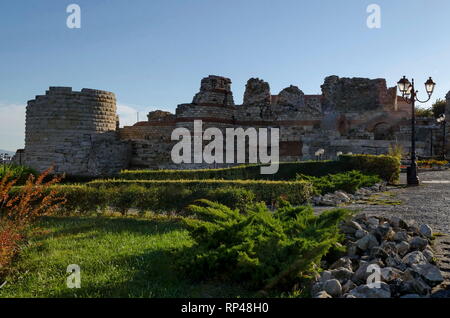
[(167, 196), (86, 200), (432, 162), (235, 198), (81, 199), (10, 238), (348, 181), (16, 172), (396, 150), (260, 248), (127, 198), (29, 202), (386, 167), (296, 192), (19, 209), (286, 171)]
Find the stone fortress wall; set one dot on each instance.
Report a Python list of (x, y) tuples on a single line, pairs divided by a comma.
[(354, 115), (78, 131)]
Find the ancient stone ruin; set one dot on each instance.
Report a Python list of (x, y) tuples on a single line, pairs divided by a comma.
[(75, 132), (78, 132)]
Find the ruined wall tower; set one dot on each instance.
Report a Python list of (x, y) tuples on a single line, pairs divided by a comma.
[(75, 132)]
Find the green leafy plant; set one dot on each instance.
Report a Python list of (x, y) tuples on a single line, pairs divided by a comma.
[(20, 210), (439, 108), (176, 192), (432, 162), (386, 167), (347, 181), (396, 150), (424, 112), (89, 200), (232, 197), (16, 172), (263, 249)]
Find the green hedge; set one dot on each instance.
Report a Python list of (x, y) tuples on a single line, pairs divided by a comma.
[(349, 182), (168, 196), (296, 192), (386, 167), (287, 171), (19, 173)]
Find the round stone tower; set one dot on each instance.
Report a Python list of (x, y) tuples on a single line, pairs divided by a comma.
[(75, 132)]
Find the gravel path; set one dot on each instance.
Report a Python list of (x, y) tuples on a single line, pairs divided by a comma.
[(429, 204)]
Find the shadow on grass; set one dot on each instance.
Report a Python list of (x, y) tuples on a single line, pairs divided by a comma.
[(76, 225), (146, 273), (158, 278)]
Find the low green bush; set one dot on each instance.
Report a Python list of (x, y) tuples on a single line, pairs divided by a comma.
[(174, 196), (16, 172), (81, 199), (296, 192), (264, 249), (386, 167), (286, 171), (432, 162), (347, 181), (235, 198)]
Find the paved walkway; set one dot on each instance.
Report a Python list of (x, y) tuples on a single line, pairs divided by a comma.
[(428, 203)]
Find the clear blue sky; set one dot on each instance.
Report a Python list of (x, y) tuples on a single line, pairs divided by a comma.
[(153, 53)]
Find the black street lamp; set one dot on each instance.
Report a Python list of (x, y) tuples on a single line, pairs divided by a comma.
[(431, 142), (441, 120), (409, 94)]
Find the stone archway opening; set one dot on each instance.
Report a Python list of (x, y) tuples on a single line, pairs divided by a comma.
[(383, 131)]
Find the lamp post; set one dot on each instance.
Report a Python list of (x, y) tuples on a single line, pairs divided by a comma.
[(441, 120), (431, 142), (409, 94)]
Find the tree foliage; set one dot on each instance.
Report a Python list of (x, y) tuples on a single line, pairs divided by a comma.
[(438, 108)]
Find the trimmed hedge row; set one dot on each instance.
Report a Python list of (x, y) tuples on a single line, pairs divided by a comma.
[(287, 171), (386, 167), (169, 196), (296, 192)]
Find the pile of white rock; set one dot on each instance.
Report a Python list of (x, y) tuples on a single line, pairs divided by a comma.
[(340, 197), (402, 252)]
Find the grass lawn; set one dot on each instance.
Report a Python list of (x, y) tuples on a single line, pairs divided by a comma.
[(119, 257)]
